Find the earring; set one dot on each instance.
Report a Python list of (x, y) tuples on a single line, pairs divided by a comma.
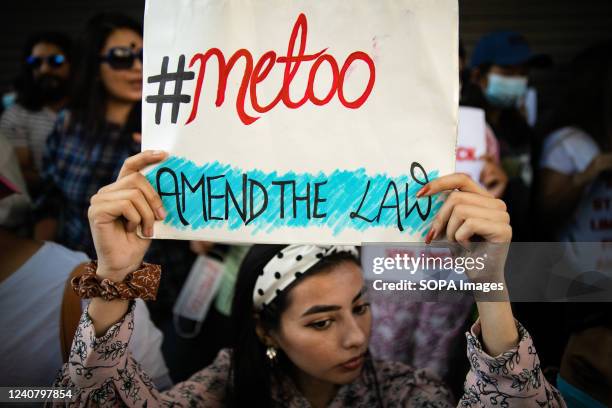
[(271, 353)]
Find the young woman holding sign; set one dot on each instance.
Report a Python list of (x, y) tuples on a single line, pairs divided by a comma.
[(302, 320)]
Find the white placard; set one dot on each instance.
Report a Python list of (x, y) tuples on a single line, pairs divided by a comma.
[(301, 121)]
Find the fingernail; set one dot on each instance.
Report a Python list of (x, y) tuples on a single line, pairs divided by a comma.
[(157, 153), (430, 235), (161, 213), (148, 232), (424, 190), (435, 233)]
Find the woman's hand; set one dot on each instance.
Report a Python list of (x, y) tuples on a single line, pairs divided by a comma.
[(115, 213), (493, 177), (469, 213), (600, 163), (469, 216), (559, 194)]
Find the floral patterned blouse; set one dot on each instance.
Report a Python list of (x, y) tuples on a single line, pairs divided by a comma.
[(104, 374)]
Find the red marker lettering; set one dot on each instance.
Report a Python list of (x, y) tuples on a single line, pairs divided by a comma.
[(257, 73)]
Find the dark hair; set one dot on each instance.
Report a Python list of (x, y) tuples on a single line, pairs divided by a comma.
[(27, 95), (250, 376), (484, 68), (587, 102), (580, 316), (89, 97)]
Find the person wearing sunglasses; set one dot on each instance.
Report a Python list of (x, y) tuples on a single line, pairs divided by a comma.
[(42, 90), (94, 134), (91, 140), (122, 58)]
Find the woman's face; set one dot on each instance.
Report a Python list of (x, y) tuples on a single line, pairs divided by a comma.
[(325, 330), (123, 84)]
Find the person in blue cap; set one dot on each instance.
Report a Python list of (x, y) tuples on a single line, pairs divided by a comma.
[(500, 65)]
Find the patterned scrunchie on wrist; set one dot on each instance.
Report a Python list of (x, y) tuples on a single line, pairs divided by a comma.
[(142, 283)]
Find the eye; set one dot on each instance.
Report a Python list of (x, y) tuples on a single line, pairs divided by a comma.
[(121, 52), (361, 309), (321, 324)]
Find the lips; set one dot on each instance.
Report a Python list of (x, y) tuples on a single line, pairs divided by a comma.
[(353, 363), (135, 84)]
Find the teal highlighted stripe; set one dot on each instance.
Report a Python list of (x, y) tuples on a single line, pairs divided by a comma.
[(219, 195)]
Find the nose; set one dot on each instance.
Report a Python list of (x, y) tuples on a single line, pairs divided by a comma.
[(137, 65), (353, 335), (45, 68)]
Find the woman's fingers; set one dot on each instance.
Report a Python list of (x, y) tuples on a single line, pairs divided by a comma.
[(141, 160), (139, 202), (494, 178), (605, 161), (464, 212), (467, 192), (487, 158), (455, 181), (131, 186), (461, 198), (105, 212), (491, 231), (138, 181), (490, 178)]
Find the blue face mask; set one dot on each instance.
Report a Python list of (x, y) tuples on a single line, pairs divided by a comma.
[(576, 398), (505, 92), (8, 100)]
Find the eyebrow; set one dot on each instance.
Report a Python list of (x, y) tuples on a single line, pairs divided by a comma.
[(330, 308)]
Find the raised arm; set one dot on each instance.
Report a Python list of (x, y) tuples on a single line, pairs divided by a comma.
[(505, 368), (116, 211), (100, 367), (470, 212)]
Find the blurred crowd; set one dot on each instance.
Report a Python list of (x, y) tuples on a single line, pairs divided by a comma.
[(73, 116)]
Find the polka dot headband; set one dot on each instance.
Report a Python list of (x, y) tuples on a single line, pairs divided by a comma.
[(288, 265)]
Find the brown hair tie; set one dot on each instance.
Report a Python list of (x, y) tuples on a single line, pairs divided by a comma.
[(141, 283)]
